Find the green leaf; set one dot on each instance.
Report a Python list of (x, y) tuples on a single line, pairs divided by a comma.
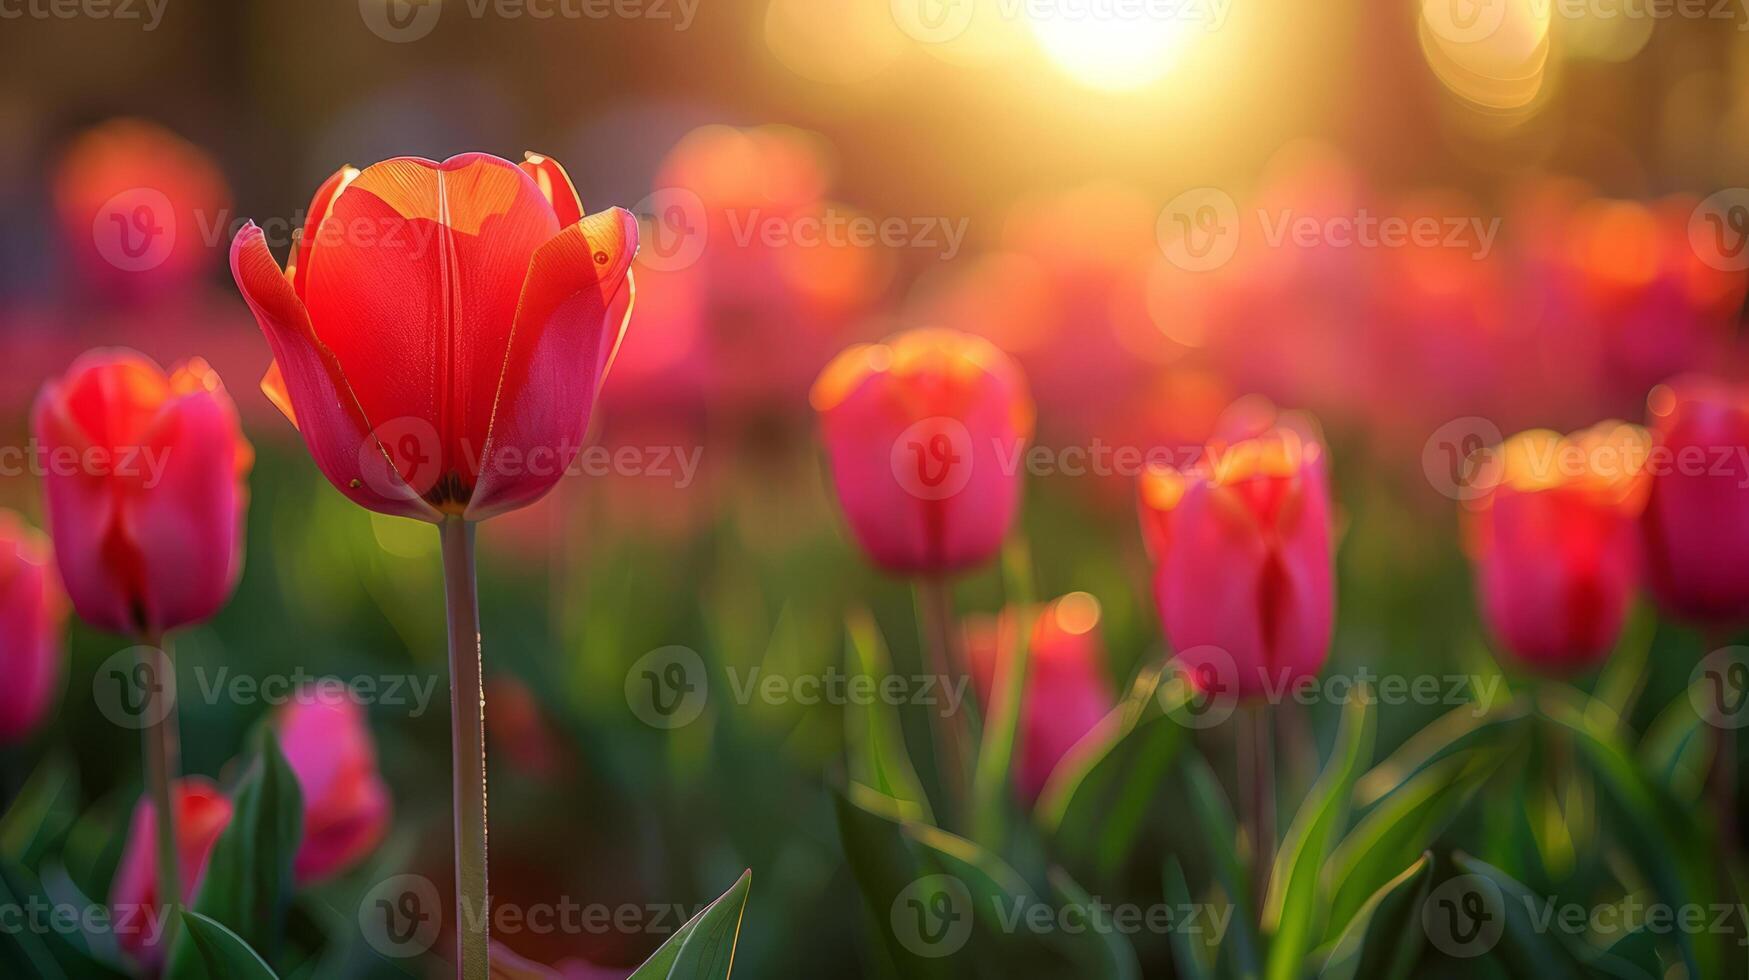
[(703, 948), (1115, 958), (1676, 750), (1291, 912), (1526, 947), (1459, 730), (1385, 937), (223, 952), (1186, 953), (1404, 824), (1220, 833), (1002, 716), (878, 756), (248, 883), (45, 808)]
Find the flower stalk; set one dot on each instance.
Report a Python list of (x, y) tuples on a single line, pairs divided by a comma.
[(468, 747), (161, 749)]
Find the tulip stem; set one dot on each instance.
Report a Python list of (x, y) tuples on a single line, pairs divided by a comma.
[(1721, 782), (1256, 738), (161, 766), (935, 609), (467, 708)]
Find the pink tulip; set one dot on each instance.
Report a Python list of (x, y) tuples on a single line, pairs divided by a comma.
[(1067, 692), (507, 965), (1553, 539), (1242, 549), (1696, 521), (33, 612), (442, 329), (144, 475), (925, 433), (328, 745), (202, 812)]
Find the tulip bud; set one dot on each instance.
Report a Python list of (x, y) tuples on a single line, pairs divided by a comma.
[(329, 748), (202, 812), (1067, 692), (33, 612), (1696, 522), (144, 476), (1241, 542), (446, 361), (1553, 539), (925, 434)]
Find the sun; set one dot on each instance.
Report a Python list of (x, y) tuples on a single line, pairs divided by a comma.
[(1109, 46)]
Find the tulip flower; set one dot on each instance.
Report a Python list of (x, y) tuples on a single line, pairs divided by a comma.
[(439, 337), (925, 433), (1241, 542), (329, 748), (1066, 692), (144, 478), (201, 814), (1696, 522), (33, 612), (1553, 537)]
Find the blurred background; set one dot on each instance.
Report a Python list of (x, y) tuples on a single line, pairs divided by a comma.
[(1426, 229)]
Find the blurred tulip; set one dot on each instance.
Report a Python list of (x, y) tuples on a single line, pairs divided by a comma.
[(925, 433), (1243, 555), (141, 208), (33, 613), (1553, 539), (1067, 692), (1696, 520), (441, 332), (520, 729), (328, 745), (144, 476), (507, 965), (202, 812)]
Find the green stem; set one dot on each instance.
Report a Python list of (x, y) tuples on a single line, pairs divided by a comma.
[(1257, 769), (161, 768), (941, 640), (990, 778), (467, 707)]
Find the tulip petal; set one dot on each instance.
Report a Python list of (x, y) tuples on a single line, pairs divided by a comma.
[(570, 320), (420, 294), (555, 184), (321, 205), (330, 418)]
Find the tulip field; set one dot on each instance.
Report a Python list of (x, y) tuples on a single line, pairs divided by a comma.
[(904, 489)]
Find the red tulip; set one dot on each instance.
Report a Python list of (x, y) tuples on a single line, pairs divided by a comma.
[(202, 812), (1696, 522), (926, 433), (144, 474), (441, 332), (328, 746), (33, 611), (1553, 539), (1067, 692), (1242, 549)]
